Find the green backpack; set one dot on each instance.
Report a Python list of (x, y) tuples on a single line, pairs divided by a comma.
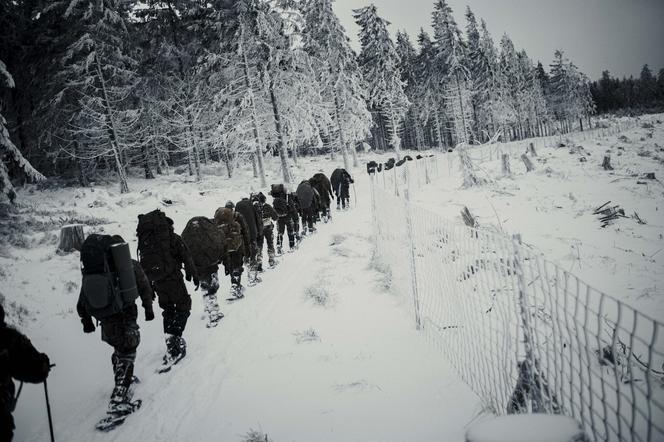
[(205, 240)]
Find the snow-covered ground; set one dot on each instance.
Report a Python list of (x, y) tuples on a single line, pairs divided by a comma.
[(352, 369), (552, 208)]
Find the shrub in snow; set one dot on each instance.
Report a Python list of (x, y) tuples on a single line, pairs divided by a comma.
[(318, 294), (255, 436), (15, 313), (307, 335)]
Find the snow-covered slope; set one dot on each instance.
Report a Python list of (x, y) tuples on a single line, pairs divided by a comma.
[(353, 369), (552, 208)]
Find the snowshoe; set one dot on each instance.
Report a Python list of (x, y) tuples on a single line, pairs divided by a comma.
[(168, 362), (118, 415), (253, 279), (236, 293), (214, 319), (272, 263), (174, 355)]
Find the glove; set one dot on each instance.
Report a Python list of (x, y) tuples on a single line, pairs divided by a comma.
[(88, 326), (149, 314), (197, 283)]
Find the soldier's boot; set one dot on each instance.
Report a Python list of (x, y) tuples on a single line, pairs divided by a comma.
[(123, 374), (291, 242), (172, 348), (212, 309), (270, 260), (280, 240)]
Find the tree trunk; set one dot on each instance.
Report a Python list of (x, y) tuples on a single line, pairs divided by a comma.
[(342, 142), (254, 122), (113, 135), (354, 152), (146, 163), (283, 155), (71, 238), (439, 135), (254, 167)]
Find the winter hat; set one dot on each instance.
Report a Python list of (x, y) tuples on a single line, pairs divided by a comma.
[(229, 205)]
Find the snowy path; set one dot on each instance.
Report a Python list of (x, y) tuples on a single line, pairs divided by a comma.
[(371, 376)]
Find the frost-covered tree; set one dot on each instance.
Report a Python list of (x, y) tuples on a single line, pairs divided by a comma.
[(569, 90), (9, 153), (379, 63), (450, 50), (531, 97), (100, 73), (170, 34), (408, 57), (337, 73), (429, 91)]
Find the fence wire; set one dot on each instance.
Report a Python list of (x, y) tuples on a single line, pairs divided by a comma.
[(523, 333)]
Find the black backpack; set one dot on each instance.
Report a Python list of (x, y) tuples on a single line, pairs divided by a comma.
[(205, 240), (101, 285), (154, 233)]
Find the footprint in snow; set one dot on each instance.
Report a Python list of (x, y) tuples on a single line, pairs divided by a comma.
[(359, 385)]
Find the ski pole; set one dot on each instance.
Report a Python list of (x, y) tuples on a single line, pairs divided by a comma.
[(48, 408), (48, 411)]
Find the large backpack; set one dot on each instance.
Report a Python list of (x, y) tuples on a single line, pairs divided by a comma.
[(101, 285), (205, 240), (232, 229), (154, 233)]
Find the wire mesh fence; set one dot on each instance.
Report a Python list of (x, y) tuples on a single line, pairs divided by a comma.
[(523, 333)]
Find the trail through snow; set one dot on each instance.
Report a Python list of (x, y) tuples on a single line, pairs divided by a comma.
[(354, 369)]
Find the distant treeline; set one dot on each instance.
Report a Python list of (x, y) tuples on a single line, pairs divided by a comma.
[(630, 95)]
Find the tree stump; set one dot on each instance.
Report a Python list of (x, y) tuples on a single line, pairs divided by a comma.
[(529, 164), (71, 238), (606, 164), (531, 149), (506, 165)]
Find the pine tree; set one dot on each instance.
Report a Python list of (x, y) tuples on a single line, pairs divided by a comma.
[(429, 90), (379, 63), (408, 57), (450, 56), (338, 74), (9, 153), (569, 91)]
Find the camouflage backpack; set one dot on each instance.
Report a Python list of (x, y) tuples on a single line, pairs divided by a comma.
[(154, 232), (205, 240), (225, 218)]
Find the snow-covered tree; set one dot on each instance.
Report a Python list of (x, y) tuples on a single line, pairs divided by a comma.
[(337, 73), (569, 90), (450, 54), (429, 92), (100, 73), (9, 153), (379, 63), (408, 58)]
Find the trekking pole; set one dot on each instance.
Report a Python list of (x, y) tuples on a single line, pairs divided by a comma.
[(355, 194), (48, 409)]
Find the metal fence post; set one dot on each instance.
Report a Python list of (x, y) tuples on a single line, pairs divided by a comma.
[(413, 266)]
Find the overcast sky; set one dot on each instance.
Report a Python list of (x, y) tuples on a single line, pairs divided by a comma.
[(618, 35)]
